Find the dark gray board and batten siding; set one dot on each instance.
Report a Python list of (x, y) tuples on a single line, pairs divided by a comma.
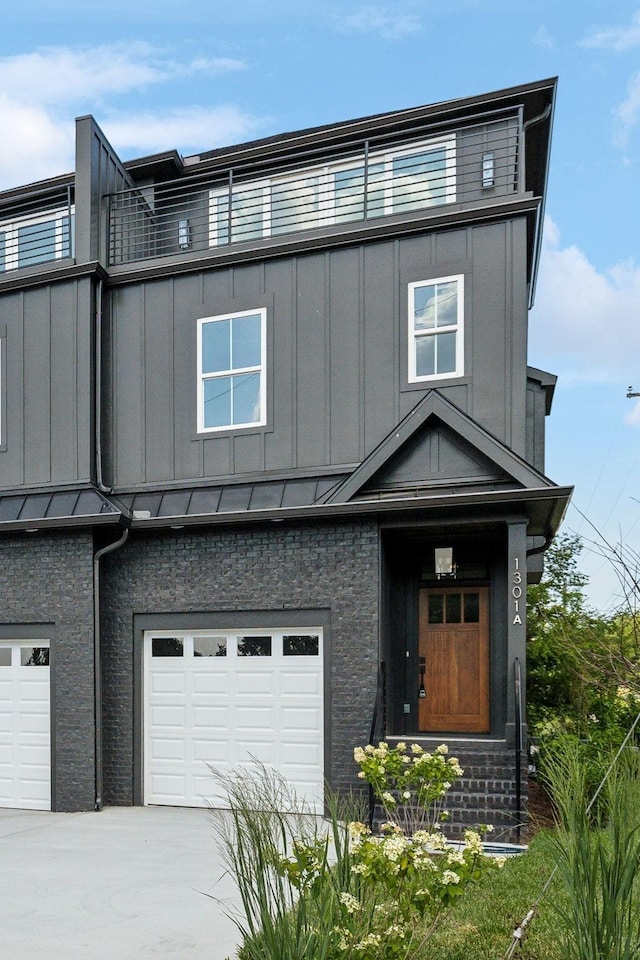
[(337, 355), (48, 343)]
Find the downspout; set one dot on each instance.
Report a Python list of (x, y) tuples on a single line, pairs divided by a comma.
[(97, 660)]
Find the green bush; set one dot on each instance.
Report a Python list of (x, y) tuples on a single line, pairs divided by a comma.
[(597, 854)]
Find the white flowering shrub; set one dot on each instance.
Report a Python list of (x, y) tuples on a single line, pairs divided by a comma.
[(410, 783)]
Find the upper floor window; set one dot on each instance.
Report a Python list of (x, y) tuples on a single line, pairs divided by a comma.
[(36, 238), (397, 181), (436, 328), (232, 370)]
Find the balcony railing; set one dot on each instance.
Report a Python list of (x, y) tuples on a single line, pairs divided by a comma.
[(36, 229), (464, 166)]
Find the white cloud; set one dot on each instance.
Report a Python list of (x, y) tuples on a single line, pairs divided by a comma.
[(542, 38), (41, 92), (33, 145), (618, 39), (586, 320), (58, 75), (388, 24), (193, 129), (626, 113)]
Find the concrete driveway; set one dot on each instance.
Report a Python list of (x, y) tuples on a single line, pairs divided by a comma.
[(124, 884)]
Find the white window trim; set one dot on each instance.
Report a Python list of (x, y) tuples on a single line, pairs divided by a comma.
[(11, 229), (262, 368), (326, 212), (458, 328)]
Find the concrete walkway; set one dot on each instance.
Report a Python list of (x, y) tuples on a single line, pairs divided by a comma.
[(128, 883)]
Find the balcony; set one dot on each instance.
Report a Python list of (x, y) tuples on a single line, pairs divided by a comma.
[(364, 184), (36, 228)]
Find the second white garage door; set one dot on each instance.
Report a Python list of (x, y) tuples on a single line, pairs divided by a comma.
[(25, 751), (218, 698)]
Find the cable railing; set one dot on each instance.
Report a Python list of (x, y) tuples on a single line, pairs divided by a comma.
[(469, 165), (37, 229)]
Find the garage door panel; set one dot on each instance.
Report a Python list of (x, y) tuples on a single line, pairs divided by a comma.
[(36, 690), (233, 708), (255, 683), (300, 685), (211, 751), (210, 718), (33, 724), (165, 748), (6, 723), (210, 682), (166, 715), (168, 682), (33, 755), (300, 718)]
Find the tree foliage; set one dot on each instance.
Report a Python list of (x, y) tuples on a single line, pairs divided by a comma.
[(582, 665)]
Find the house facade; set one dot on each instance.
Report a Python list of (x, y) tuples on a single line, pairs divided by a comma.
[(272, 458)]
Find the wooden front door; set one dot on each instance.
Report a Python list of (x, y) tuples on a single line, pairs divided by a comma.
[(454, 655)]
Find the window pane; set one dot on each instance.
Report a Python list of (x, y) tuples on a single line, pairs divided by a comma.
[(425, 356), (447, 304), (436, 608), (301, 645), (246, 341), (209, 646), (419, 180), (217, 402), (34, 656), (36, 243), (446, 352), (248, 214), (3, 251), (246, 398), (254, 646), (424, 306), (222, 219), (472, 608), (166, 647), (216, 346), (294, 205), (349, 194), (454, 608), (5, 656)]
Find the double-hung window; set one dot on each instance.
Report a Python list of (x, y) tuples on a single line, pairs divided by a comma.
[(232, 371), (436, 321), (36, 238), (397, 180)]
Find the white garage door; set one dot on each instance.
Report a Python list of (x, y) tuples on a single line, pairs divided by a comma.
[(25, 751), (216, 699)]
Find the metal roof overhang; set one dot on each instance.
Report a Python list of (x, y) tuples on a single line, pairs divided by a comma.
[(57, 509), (543, 508)]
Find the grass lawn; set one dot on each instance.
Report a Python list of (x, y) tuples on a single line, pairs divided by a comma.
[(481, 927)]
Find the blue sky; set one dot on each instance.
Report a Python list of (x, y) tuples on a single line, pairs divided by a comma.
[(201, 74)]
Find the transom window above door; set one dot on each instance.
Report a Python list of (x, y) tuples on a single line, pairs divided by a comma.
[(232, 371)]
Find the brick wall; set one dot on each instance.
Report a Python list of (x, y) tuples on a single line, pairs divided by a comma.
[(278, 567), (48, 579)]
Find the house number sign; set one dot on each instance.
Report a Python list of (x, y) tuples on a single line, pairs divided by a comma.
[(516, 590)]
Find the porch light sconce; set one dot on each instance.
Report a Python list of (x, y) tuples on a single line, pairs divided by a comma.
[(488, 170), (445, 567), (184, 234)]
